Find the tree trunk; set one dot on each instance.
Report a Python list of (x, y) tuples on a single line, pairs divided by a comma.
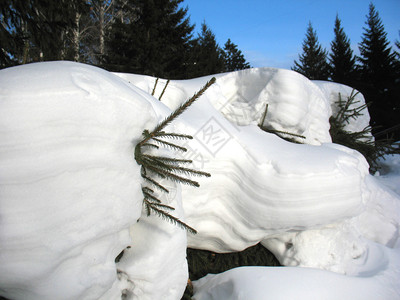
[(101, 33), (76, 36)]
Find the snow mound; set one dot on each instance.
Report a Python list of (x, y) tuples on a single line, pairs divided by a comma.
[(262, 283), (70, 193), (295, 104), (71, 196)]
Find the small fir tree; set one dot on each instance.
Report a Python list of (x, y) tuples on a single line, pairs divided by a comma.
[(313, 61), (361, 141), (342, 61), (153, 165), (234, 58)]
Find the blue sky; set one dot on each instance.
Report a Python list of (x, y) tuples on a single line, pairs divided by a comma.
[(270, 32)]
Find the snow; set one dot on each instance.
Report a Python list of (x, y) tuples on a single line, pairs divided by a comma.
[(71, 200), (335, 91)]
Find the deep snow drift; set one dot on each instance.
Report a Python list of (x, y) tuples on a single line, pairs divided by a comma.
[(70, 194)]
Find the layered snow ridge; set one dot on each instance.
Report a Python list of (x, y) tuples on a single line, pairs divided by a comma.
[(71, 200)]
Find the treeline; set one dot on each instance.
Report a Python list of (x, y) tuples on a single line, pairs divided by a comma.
[(151, 37), (375, 72)]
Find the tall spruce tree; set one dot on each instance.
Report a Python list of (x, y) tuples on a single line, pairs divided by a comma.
[(313, 61), (206, 57), (234, 58), (378, 76), (342, 61), (152, 38)]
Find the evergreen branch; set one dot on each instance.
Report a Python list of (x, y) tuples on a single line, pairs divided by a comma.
[(183, 107), (166, 167), (154, 162), (148, 210), (171, 145), (146, 134), (173, 135), (285, 132), (161, 206), (163, 91), (150, 196), (189, 171), (263, 116), (159, 164), (173, 176), (146, 189), (156, 184), (150, 145), (169, 217), (159, 174), (154, 89), (168, 159)]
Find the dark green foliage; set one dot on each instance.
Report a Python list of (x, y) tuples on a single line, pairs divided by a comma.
[(397, 43), (234, 59), (202, 262), (376, 57), (206, 57), (37, 30), (157, 166), (312, 62), (360, 141), (342, 61), (152, 39), (379, 76)]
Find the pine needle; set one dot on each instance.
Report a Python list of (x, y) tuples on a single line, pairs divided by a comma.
[(149, 196), (171, 145), (173, 176), (170, 218), (156, 184), (173, 135), (168, 159)]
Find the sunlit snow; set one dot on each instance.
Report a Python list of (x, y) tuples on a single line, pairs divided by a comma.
[(71, 199)]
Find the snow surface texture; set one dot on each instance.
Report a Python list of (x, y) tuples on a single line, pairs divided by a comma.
[(70, 193)]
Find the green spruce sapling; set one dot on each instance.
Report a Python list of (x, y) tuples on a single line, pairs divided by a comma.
[(155, 166), (362, 141)]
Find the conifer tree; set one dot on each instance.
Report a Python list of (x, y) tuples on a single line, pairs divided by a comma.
[(234, 58), (342, 61), (152, 38), (206, 57), (312, 62), (378, 74), (37, 30)]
